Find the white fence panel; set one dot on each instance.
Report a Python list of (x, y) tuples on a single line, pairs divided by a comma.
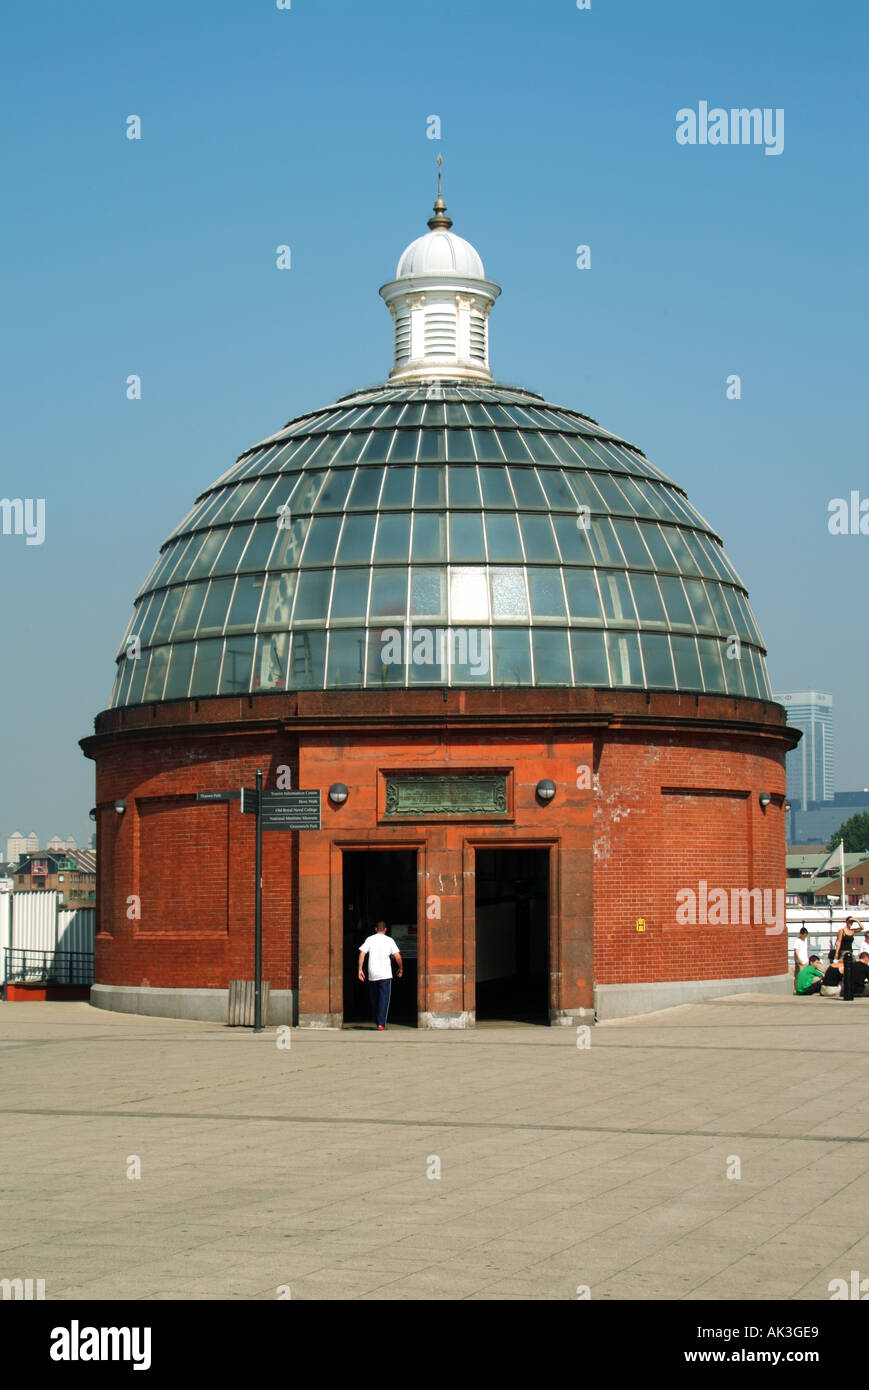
[(75, 929), (5, 931), (34, 920)]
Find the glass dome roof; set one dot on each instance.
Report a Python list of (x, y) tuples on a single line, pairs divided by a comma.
[(443, 533)]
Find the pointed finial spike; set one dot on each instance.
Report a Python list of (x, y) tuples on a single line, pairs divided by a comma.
[(440, 221)]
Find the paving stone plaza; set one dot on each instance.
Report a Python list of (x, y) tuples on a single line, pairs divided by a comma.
[(500, 1163)]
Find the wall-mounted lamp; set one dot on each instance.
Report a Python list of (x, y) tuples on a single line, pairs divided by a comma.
[(765, 799), (545, 790), (93, 813), (787, 806), (338, 793), (120, 807)]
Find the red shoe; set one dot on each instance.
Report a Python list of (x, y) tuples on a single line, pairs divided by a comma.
[(381, 1028)]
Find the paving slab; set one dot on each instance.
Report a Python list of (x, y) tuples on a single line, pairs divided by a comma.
[(500, 1163)]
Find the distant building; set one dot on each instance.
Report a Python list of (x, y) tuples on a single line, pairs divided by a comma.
[(74, 875), (57, 842), (856, 883), (821, 819), (809, 766), (802, 885), (19, 844)]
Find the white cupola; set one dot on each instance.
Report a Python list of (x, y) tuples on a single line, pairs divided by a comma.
[(440, 302)]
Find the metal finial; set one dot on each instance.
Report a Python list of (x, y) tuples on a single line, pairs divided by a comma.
[(440, 221)]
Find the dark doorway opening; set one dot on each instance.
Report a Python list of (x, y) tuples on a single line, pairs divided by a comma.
[(380, 885), (512, 916)]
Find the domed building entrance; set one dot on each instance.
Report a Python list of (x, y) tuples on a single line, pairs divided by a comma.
[(380, 885), (511, 965), (509, 654)]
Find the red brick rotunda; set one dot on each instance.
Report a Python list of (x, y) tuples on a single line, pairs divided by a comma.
[(519, 668)]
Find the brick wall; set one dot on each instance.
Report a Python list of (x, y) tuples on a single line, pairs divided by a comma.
[(190, 865), (674, 803), (445, 849), (670, 818)]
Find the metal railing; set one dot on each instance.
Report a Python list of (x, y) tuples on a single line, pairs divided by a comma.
[(34, 966)]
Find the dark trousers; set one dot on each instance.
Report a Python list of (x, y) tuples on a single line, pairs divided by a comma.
[(379, 992), (847, 976)]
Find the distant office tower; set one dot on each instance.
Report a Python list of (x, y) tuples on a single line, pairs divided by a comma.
[(809, 766), (19, 844)]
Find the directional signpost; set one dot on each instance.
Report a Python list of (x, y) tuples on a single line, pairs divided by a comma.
[(290, 810), (258, 928), (274, 811)]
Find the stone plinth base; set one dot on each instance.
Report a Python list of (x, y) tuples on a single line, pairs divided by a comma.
[(206, 1005), (625, 1001)]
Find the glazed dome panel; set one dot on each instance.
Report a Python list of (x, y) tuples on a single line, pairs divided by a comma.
[(544, 549)]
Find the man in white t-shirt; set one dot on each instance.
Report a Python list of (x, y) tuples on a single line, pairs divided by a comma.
[(801, 953), (379, 949)]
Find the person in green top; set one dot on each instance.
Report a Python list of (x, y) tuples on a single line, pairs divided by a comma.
[(810, 977)]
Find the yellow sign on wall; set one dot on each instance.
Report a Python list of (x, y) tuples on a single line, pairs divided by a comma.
[(641, 924)]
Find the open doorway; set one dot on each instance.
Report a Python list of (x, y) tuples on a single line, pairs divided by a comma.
[(512, 927), (380, 885)]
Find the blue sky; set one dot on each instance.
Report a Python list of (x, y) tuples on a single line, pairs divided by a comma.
[(308, 127)]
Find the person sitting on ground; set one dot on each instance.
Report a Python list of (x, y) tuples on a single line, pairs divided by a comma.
[(810, 977), (860, 974), (831, 985)]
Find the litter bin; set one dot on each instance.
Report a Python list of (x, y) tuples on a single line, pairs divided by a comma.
[(241, 1003)]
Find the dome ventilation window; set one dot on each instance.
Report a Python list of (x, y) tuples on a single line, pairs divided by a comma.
[(478, 337), (440, 333), (402, 337)]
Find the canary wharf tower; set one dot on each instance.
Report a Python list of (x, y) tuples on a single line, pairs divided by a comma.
[(518, 666)]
